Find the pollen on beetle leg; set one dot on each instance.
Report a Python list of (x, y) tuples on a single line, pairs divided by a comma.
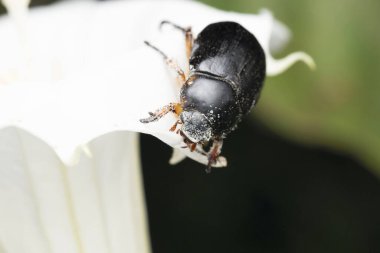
[(154, 116), (178, 109)]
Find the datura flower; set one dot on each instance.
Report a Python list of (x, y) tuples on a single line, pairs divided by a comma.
[(75, 78)]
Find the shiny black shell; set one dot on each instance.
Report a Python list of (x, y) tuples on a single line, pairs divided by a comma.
[(227, 71)]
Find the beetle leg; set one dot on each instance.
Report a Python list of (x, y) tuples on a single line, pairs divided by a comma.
[(189, 144), (214, 152), (174, 65), (189, 43), (154, 116), (188, 36), (174, 127), (170, 62)]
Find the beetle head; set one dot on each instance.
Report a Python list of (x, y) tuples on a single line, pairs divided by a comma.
[(195, 126)]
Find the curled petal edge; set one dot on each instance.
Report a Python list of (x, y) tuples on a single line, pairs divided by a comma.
[(276, 67)]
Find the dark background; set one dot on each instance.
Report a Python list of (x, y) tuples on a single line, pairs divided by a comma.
[(275, 196)]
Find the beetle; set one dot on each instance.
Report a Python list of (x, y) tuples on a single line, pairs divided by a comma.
[(226, 73)]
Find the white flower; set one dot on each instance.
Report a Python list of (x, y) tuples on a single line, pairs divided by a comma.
[(95, 206), (78, 70)]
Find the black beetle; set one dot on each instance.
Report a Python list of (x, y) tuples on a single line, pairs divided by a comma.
[(227, 71)]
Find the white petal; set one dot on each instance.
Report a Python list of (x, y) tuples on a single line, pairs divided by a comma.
[(16, 6), (221, 161), (275, 36), (95, 206), (180, 153), (177, 156), (114, 178), (90, 73), (276, 67), (279, 36)]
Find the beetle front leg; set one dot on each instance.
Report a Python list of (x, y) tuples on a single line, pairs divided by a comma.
[(154, 116), (191, 145), (214, 153), (174, 127)]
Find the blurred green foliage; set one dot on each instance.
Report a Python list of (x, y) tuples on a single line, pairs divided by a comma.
[(338, 105)]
